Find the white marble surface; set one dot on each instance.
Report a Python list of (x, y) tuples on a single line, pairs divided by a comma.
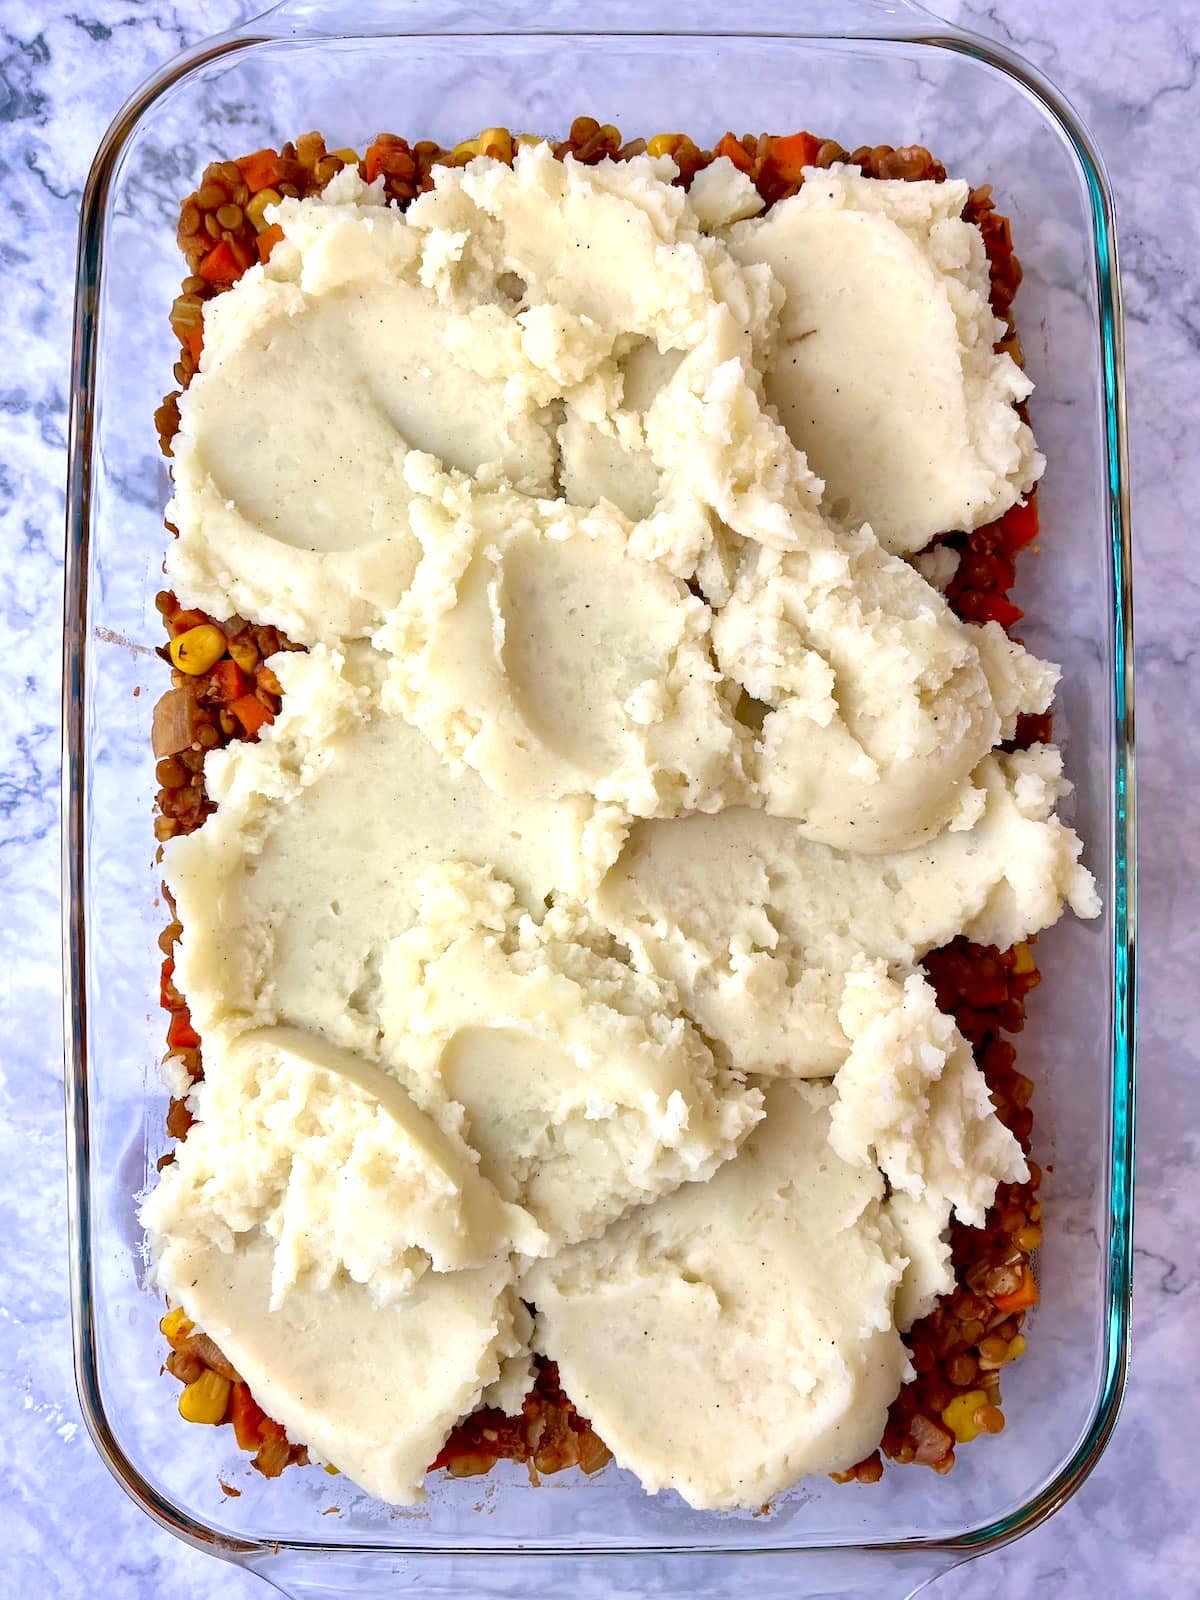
[(1131, 67)]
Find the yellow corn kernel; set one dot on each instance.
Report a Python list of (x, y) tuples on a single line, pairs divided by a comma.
[(496, 142), (465, 150), (176, 1325), (1023, 961), (206, 1400), (245, 652), (663, 144), (258, 203), (350, 157), (333, 1471), (525, 140), (199, 649), (1017, 1347), (959, 1415)]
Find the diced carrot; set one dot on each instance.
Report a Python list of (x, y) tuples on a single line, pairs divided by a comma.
[(181, 1035), (247, 1417), (727, 145), (791, 154), (1022, 1297), (251, 713), (261, 170), (230, 681), (1020, 525), (195, 342), (220, 265), (267, 240)]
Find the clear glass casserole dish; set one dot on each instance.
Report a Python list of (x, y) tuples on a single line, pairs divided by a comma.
[(862, 73)]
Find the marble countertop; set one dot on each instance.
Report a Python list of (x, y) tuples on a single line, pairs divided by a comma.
[(1132, 69)]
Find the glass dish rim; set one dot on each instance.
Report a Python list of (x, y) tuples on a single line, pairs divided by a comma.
[(886, 28)]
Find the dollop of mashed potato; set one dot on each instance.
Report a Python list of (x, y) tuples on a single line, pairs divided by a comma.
[(628, 775), (338, 1165), (373, 1390), (885, 372), (583, 1088), (787, 1248), (881, 708), (912, 1102), (533, 645), (759, 928)]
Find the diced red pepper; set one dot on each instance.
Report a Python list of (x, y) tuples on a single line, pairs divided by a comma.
[(229, 680), (251, 713), (262, 170), (169, 997), (1019, 525), (266, 241), (790, 155), (220, 266), (247, 1417), (181, 1035), (977, 605), (735, 150), (1034, 728)]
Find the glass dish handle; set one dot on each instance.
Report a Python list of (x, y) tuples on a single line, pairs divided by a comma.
[(839, 19), (769, 1575)]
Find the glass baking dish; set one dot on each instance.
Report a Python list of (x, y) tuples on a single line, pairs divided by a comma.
[(862, 73)]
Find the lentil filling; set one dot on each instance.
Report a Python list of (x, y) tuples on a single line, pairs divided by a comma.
[(222, 690)]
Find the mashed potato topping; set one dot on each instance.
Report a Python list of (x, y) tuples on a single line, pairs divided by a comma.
[(629, 773)]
